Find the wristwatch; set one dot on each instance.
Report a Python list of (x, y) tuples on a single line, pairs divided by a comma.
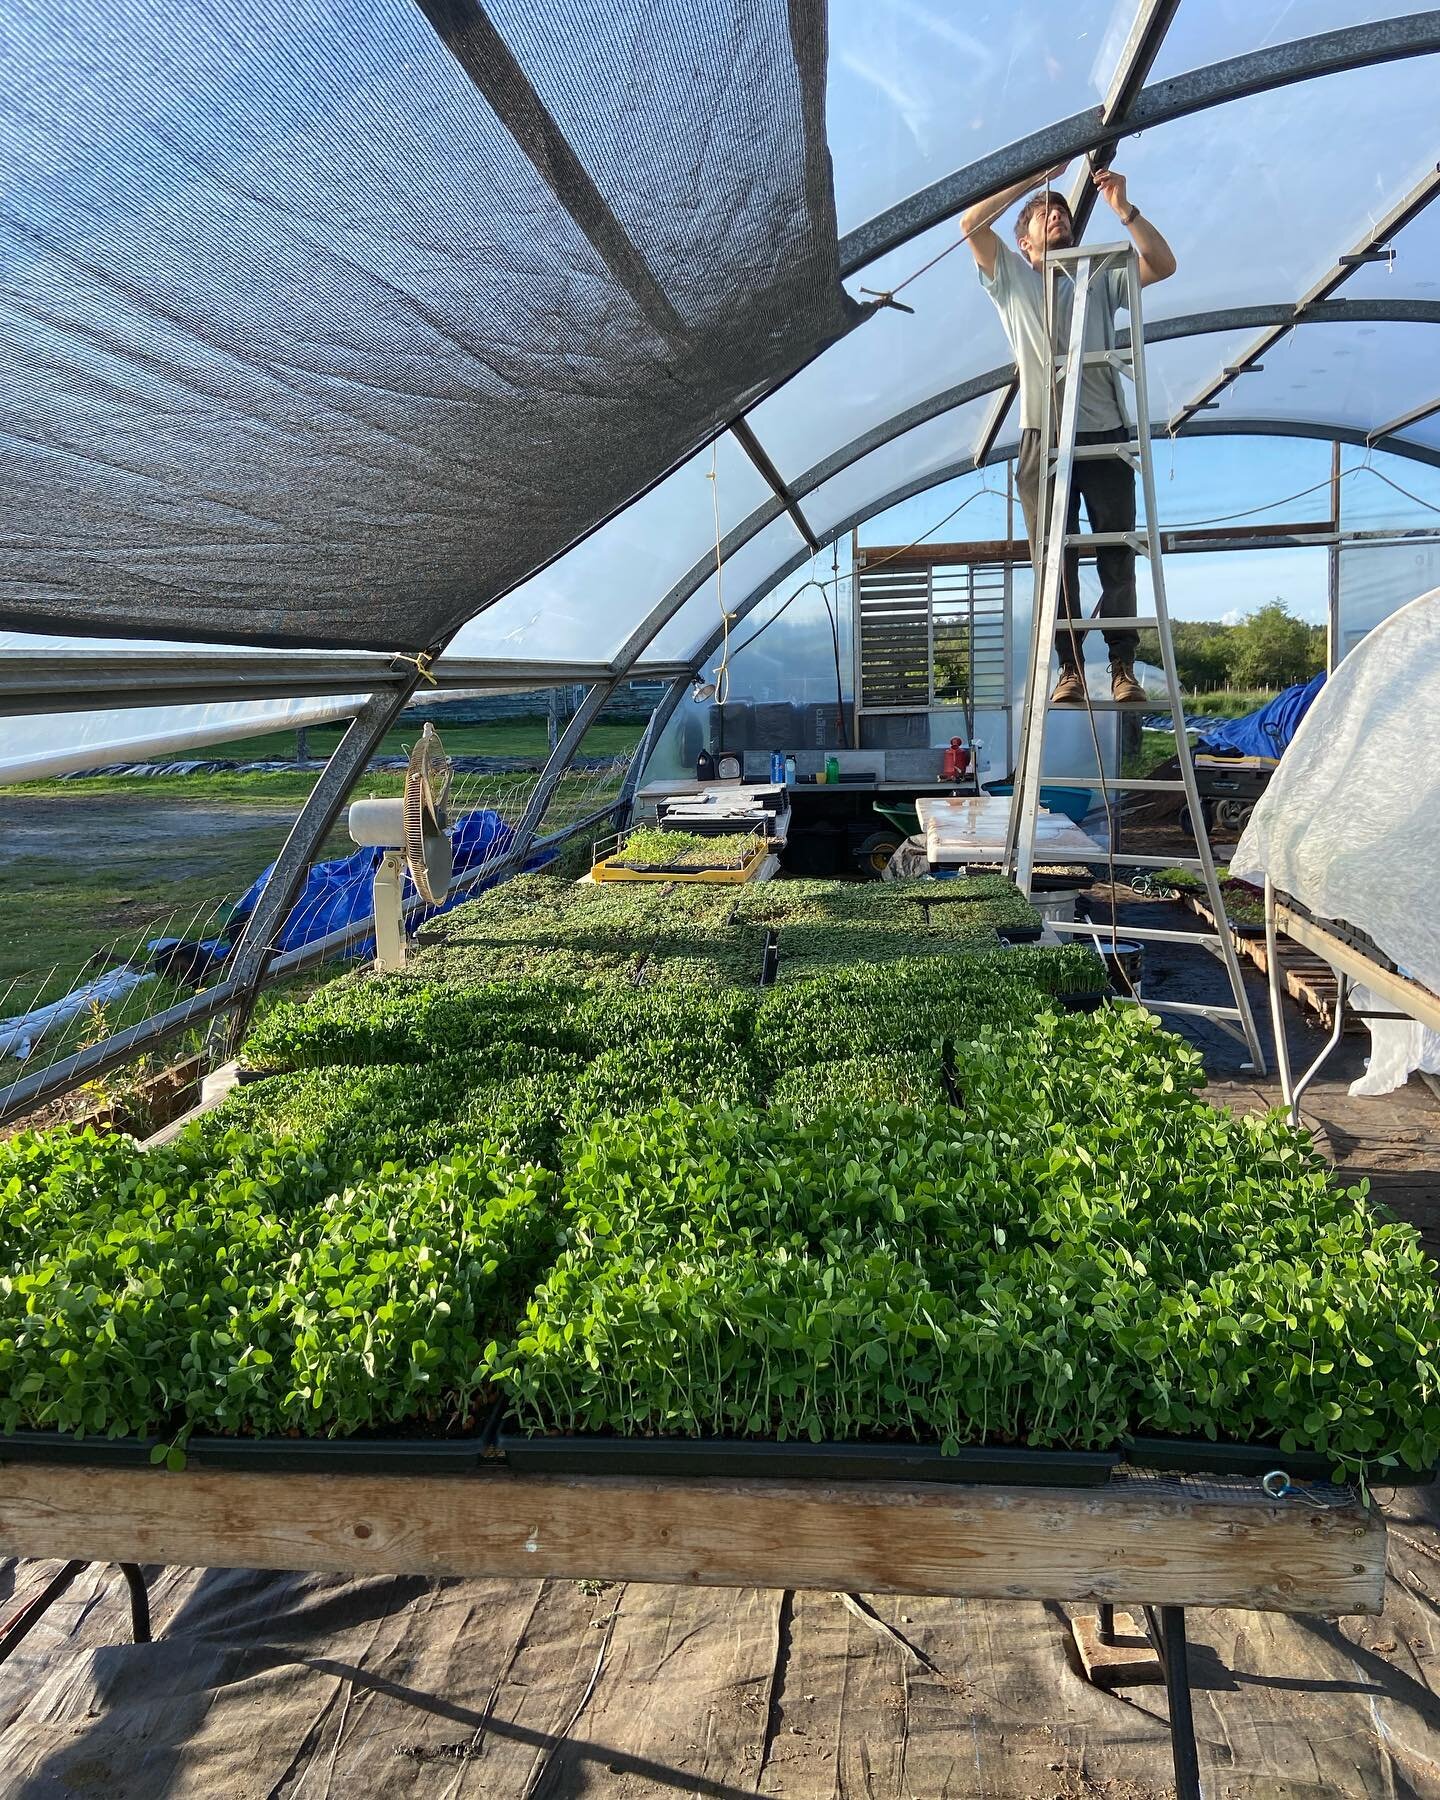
[(1131, 216)]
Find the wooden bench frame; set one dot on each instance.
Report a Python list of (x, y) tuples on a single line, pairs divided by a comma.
[(1159, 1544)]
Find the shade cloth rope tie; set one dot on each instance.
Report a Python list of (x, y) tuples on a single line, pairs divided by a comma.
[(422, 661), (886, 296)]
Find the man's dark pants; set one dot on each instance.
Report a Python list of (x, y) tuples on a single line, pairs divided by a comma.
[(1107, 486)]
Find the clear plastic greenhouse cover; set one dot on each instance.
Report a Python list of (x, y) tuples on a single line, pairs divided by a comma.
[(1347, 825), (307, 340), (37, 746)]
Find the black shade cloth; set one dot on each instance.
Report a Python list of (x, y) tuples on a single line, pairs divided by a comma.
[(325, 322)]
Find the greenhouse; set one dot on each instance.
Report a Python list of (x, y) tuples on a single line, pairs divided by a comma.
[(720, 1016)]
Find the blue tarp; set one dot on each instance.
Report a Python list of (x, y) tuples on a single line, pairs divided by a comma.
[(339, 893), (1268, 731)]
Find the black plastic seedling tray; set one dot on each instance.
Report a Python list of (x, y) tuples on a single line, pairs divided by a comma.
[(1019, 934), (729, 1459), (291, 1456), (1091, 1002)]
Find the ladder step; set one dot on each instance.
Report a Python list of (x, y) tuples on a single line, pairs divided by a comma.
[(1093, 452), (1145, 934), (1074, 253), (1126, 624), (1108, 540), (1145, 706), (1116, 359), (1124, 784), (1125, 859)]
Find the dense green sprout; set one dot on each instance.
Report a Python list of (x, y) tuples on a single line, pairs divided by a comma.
[(649, 847), (232, 1288), (577, 1152)]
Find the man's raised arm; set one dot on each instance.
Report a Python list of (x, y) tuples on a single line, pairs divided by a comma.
[(976, 220), (1157, 259)]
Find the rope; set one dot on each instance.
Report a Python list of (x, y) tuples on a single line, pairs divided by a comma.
[(843, 732), (1052, 393), (722, 668), (810, 581)]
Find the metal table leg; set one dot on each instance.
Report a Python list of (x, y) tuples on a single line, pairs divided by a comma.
[(1167, 1630), (1105, 1628), (139, 1602), (1342, 983)]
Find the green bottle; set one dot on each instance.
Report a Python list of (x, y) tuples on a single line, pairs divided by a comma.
[(832, 770)]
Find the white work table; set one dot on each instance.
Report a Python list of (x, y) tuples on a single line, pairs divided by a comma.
[(972, 828)]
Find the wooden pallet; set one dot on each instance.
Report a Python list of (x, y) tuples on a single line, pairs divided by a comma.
[(1309, 979)]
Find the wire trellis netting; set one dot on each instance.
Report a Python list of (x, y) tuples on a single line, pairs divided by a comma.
[(139, 896)]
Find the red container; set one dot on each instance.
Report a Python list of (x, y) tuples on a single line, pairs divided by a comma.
[(956, 762)]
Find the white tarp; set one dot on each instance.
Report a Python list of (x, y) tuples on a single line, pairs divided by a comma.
[(1350, 824), (20, 1035)]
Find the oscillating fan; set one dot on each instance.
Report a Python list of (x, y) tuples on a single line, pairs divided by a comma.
[(411, 832)]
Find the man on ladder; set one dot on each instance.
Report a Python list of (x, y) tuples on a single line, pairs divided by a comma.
[(1016, 283)]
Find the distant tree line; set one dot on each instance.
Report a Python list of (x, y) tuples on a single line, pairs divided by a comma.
[(1270, 649)]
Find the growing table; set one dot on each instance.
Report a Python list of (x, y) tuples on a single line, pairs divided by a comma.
[(1354, 963), (1160, 1543)]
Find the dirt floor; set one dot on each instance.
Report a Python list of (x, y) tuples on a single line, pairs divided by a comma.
[(127, 829), (301, 1687)]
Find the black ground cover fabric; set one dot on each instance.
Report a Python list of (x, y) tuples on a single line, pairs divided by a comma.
[(325, 322)]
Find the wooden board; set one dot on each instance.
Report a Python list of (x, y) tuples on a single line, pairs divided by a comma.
[(1156, 1540), (1389, 987), (1308, 980)]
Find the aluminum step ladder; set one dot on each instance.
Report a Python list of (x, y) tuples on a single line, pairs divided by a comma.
[(1085, 265)]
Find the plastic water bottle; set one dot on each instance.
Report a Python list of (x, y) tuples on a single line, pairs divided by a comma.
[(790, 776)]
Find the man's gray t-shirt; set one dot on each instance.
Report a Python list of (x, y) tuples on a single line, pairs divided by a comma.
[(1019, 293)]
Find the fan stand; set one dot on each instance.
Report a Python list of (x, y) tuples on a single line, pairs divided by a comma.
[(389, 913)]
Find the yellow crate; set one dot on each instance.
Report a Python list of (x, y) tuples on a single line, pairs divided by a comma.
[(607, 870)]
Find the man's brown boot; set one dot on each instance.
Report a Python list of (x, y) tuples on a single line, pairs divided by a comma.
[(1070, 689), (1124, 687)]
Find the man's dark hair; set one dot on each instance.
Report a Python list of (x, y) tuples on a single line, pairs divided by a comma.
[(1040, 202)]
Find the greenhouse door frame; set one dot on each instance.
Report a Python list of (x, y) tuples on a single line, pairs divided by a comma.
[(981, 603)]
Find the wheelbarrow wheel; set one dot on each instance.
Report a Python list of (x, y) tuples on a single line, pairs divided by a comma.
[(875, 852)]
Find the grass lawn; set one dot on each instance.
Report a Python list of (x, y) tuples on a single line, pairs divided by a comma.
[(499, 737), (1157, 747), (506, 737), (147, 878), (1227, 703), (98, 868)]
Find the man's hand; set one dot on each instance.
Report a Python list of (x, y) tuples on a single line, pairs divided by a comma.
[(1112, 190), (1157, 259)]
